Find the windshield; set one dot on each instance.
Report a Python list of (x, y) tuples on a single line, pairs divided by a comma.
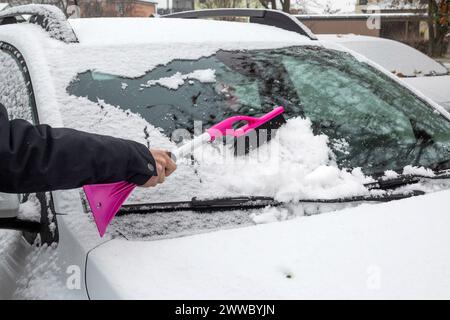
[(371, 121)]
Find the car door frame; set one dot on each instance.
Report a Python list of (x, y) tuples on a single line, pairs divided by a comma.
[(47, 235)]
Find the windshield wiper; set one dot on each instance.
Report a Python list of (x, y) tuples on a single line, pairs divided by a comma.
[(394, 183), (247, 203), (405, 179), (259, 202)]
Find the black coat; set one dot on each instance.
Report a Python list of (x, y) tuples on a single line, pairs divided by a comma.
[(40, 158)]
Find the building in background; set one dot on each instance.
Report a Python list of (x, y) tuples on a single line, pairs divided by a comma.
[(172, 6), (410, 24), (117, 8), (404, 21), (393, 6), (183, 5)]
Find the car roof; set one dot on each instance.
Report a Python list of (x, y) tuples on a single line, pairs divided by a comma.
[(119, 31), (392, 55)]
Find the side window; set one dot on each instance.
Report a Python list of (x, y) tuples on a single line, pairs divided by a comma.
[(16, 91)]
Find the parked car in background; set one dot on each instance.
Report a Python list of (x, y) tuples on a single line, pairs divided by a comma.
[(412, 66), (356, 138)]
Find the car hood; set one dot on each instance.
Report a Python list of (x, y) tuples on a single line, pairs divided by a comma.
[(435, 88), (391, 250)]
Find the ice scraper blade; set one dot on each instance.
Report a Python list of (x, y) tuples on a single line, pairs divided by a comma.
[(105, 201)]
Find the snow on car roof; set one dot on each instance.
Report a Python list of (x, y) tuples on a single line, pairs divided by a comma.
[(107, 31), (434, 87), (392, 55)]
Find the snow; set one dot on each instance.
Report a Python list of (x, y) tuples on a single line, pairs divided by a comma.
[(389, 174), (30, 210), (418, 171), (178, 79), (29, 40), (394, 56), (287, 176), (67, 61), (270, 214), (57, 26), (278, 169), (14, 92), (328, 6), (3, 6), (401, 4), (437, 88), (364, 252), (44, 276), (110, 31)]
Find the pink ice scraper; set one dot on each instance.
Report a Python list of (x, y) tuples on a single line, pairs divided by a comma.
[(105, 200)]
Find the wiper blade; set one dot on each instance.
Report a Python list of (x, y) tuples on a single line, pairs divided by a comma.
[(403, 180), (389, 184), (247, 203)]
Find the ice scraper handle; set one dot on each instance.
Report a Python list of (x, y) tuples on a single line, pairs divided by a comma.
[(225, 127)]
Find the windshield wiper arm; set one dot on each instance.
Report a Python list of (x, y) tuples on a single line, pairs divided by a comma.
[(389, 184), (247, 203), (403, 180)]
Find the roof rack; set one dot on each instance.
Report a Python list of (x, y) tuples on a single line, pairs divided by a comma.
[(273, 18), (49, 17)]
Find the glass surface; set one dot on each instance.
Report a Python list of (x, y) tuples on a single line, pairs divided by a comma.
[(372, 122)]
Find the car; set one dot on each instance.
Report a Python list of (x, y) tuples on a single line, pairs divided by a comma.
[(362, 162), (415, 68)]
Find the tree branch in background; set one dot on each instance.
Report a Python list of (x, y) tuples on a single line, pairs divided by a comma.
[(438, 26), (269, 4)]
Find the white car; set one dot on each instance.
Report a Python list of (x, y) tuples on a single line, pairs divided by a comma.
[(358, 144), (415, 68)]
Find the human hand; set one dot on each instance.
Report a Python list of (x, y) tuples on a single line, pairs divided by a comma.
[(165, 166)]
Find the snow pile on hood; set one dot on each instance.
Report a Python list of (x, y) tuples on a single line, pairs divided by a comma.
[(295, 165)]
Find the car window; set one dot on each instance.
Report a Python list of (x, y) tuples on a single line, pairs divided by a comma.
[(15, 89), (372, 122)]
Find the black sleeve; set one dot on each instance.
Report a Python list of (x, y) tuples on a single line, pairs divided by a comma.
[(40, 158)]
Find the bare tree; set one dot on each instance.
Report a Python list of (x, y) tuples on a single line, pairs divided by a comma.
[(438, 22), (269, 4), (438, 26), (211, 4)]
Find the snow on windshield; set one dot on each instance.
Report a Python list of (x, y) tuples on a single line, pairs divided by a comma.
[(295, 165), (178, 79), (306, 167), (348, 103)]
